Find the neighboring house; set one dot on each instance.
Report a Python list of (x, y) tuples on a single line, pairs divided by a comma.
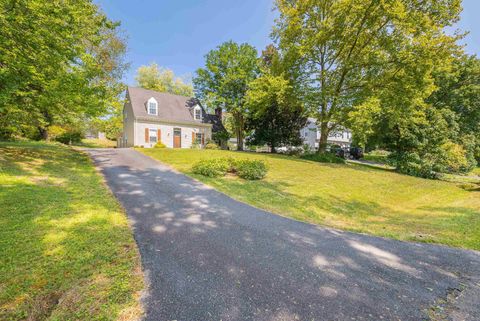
[(176, 121), (311, 135), (95, 134)]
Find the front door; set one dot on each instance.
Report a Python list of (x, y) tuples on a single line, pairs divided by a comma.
[(177, 138)]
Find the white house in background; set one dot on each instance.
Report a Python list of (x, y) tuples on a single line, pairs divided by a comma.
[(176, 121), (311, 135)]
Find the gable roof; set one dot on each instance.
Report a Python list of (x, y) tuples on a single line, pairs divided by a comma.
[(171, 108)]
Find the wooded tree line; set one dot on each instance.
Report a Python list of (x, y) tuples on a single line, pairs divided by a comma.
[(61, 62), (386, 69)]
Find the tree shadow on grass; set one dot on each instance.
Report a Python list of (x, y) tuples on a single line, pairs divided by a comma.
[(67, 252), (454, 226), (210, 256)]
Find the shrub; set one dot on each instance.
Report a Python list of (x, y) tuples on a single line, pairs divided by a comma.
[(446, 158), (456, 159), (246, 169), (251, 169), (212, 167), (324, 158), (211, 145), (160, 145), (68, 137), (414, 165), (55, 131)]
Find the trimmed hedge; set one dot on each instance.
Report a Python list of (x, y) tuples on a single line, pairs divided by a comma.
[(246, 169)]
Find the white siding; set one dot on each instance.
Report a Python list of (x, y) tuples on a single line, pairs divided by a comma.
[(311, 135), (128, 125), (167, 133)]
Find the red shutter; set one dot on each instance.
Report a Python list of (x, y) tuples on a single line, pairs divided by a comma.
[(159, 135), (203, 139), (193, 137), (147, 136)]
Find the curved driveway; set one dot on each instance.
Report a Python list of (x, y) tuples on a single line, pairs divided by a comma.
[(209, 257)]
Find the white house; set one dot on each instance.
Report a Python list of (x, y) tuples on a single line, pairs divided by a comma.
[(311, 135), (176, 121)]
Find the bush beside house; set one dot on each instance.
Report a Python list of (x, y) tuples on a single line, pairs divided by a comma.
[(217, 167)]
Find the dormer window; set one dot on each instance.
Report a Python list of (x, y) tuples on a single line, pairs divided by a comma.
[(198, 113), (152, 106)]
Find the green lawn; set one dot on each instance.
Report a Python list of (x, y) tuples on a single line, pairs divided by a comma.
[(476, 171), (66, 249), (97, 143), (351, 197)]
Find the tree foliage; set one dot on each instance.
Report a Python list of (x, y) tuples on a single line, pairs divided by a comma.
[(458, 90), (163, 80), (345, 52), (275, 115), (60, 61), (223, 82)]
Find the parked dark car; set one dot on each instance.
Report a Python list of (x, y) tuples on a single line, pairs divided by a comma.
[(356, 153), (337, 150)]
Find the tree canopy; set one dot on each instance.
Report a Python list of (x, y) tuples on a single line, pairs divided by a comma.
[(163, 80), (60, 61), (345, 52), (275, 114), (224, 80)]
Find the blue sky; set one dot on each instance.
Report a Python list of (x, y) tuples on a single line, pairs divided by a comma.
[(178, 33)]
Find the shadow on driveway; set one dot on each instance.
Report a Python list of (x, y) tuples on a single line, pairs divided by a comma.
[(209, 257)]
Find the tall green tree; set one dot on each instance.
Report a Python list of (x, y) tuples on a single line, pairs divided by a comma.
[(458, 90), (53, 63), (345, 52), (275, 114), (163, 80), (224, 81)]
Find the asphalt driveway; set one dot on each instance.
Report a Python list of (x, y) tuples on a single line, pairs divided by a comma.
[(209, 257)]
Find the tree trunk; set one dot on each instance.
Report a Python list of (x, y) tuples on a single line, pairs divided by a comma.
[(239, 132), (43, 129), (240, 140), (43, 133), (324, 131), (273, 149)]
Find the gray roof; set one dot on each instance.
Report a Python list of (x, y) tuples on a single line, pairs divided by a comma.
[(171, 108)]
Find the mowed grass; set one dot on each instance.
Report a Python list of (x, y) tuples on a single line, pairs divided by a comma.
[(350, 197), (66, 249), (476, 171), (97, 143)]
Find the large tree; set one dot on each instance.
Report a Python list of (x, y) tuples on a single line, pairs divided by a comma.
[(348, 52), (458, 90), (275, 114), (163, 80), (58, 60), (224, 81)]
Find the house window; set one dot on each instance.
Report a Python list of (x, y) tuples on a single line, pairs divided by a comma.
[(152, 107), (198, 138), (152, 133), (198, 113)]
